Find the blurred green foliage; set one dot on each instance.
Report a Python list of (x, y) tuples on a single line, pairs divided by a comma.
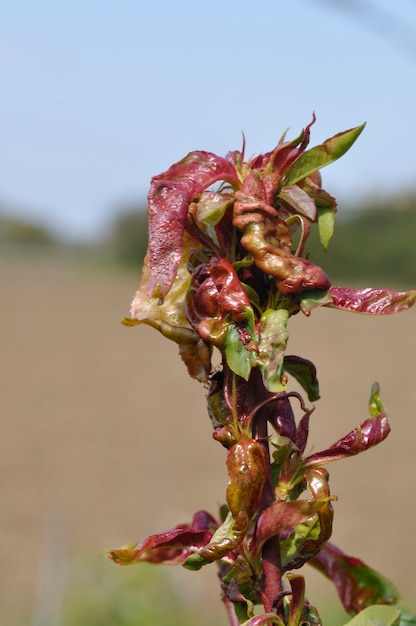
[(101, 594), (373, 245), (21, 232), (128, 238)]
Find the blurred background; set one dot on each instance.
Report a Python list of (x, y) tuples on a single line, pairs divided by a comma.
[(97, 447)]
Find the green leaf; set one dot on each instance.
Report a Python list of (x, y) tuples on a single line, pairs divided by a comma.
[(224, 539), (271, 348), (212, 207), (377, 615), (236, 353), (319, 156), (314, 298), (291, 546), (326, 221), (375, 404)]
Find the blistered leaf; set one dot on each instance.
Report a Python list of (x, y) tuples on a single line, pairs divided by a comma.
[(217, 304), (319, 156), (168, 201), (273, 337), (169, 316), (358, 585), (267, 238), (371, 301), (376, 616), (197, 358), (246, 464), (304, 372), (225, 539)]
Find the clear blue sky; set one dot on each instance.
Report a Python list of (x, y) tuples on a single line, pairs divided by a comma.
[(99, 95)]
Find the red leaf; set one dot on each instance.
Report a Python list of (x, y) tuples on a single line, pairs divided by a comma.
[(282, 516), (371, 301), (169, 198), (173, 546), (368, 434)]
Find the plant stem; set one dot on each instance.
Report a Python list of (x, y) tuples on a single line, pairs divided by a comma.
[(271, 563)]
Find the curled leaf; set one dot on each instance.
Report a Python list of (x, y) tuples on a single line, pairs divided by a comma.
[(169, 316), (304, 372), (283, 516), (370, 433), (173, 546), (168, 201)]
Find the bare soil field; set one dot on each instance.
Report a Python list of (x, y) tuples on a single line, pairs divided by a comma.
[(105, 439)]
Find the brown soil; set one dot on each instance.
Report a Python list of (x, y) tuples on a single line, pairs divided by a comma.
[(105, 437)]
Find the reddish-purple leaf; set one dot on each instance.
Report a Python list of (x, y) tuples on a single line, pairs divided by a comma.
[(358, 585), (371, 432), (173, 546), (282, 516), (169, 198), (371, 301)]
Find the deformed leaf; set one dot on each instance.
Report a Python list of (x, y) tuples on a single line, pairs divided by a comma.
[(169, 198), (370, 433), (283, 516), (169, 316), (172, 546), (227, 537)]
